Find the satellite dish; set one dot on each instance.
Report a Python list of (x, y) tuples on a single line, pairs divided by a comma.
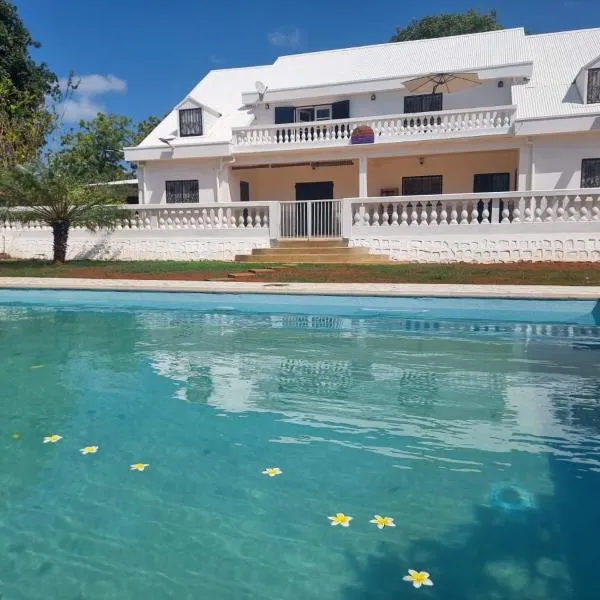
[(261, 88)]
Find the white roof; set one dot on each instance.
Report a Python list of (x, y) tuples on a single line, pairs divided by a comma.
[(220, 91), (557, 60), (399, 60)]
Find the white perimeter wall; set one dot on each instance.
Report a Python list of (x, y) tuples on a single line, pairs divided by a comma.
[(526, 242), (136, 245)]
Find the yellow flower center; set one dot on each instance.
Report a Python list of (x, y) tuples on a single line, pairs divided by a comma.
[(419, 577)]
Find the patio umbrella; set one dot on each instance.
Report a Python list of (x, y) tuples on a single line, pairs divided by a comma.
[(442, 83)]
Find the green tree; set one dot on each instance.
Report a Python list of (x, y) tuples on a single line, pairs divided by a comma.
[(25, 87), (445, 24), (144, 128), (94, 152), (50, 196)]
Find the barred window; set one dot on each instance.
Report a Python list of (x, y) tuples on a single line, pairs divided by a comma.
[(423, 103), (417, 186), (182, 191), (593, 87), (190, 122), (590, 173)]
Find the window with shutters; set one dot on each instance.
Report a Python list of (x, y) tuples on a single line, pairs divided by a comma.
[(418, 186), (593, 86), (182, 191), (484, 183), (190, 122), (590, 173), (423, 103)]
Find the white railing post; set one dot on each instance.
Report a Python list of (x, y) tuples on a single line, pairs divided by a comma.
[(274, 220), (347, 218)]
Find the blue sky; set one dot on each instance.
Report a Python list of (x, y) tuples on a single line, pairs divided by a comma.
[(140, 57)]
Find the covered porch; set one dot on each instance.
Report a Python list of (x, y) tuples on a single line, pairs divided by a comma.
[(366, 176)]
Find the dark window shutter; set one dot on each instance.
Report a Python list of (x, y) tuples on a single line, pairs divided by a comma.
[(340, 110), (284, 114)]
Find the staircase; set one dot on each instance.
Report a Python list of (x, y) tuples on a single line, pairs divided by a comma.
[(312, 251)]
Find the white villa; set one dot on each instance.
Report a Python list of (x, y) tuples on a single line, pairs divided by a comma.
[(483, 147)]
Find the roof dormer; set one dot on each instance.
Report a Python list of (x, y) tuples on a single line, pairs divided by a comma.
[(588, 82), (195, 118)]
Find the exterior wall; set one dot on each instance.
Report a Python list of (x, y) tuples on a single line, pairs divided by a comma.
[(457, 169), (391, 103), (137, 245), (567, 242), (279, 183), (557, 160), (157, 172)]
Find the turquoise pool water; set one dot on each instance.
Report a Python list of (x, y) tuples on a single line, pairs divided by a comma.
[(474, 424)]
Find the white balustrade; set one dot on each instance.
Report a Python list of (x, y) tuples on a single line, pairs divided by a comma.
[(339, 132), (232, 216), (503, 208)]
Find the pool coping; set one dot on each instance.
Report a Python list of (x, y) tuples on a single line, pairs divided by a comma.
[(438, 290)]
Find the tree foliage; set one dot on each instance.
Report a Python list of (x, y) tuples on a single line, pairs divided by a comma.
[(94, 152), (48, 195), (445, 24), (25, 87)]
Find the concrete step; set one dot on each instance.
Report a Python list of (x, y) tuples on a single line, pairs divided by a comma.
[(340, 258), (321, 243), (282, 251)]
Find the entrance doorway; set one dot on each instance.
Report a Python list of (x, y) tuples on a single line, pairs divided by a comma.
[(315, 197)]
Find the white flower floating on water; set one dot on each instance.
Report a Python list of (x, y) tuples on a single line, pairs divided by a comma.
[(272, 471), (52, 439), (418, 578), (382, 522), (138, 467), (340, 519), (89, 450)]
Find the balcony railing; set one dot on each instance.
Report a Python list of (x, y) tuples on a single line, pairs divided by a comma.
[(388, 128)]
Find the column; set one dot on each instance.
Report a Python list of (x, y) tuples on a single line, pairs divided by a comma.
[(362, 177)]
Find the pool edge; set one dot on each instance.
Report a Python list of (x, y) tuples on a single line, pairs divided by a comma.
[(531, 292)]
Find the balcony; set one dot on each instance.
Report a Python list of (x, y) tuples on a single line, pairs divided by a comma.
[(386, 129)]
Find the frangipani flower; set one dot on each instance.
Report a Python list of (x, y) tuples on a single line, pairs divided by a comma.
[(52, 439), (138, 467), (418, 578), (272, 471), (340, 519), (89, 450), (382, 522)]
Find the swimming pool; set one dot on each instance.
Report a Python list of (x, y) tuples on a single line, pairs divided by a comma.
[(473, 424)]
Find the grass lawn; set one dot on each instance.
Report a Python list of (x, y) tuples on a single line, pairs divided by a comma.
[(520, 273)]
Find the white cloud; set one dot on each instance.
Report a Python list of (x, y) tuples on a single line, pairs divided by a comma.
[(292, 39), (83, 102)]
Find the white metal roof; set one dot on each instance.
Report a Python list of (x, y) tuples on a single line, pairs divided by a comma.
[(399, 60), (557, 60)]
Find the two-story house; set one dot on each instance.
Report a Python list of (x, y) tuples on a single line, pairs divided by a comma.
[(524, 115)]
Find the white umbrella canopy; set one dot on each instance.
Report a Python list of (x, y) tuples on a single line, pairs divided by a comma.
[(442, 83)]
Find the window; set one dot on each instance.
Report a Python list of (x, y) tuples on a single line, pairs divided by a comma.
[(307, 114), (322, 113), (484, 183), (417, 186), (423, 103), (190, 122), (182, 191), (590, 173), (593, 86)]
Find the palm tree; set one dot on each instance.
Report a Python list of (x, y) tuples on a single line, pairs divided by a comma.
[(47, 195)]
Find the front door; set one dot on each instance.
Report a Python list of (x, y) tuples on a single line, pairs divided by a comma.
[(308, 196)]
